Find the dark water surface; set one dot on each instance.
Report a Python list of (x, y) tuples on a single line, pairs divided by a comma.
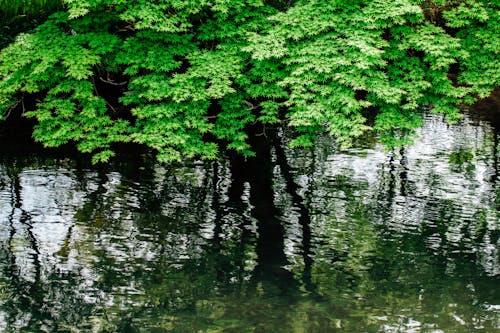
[(323, 240)]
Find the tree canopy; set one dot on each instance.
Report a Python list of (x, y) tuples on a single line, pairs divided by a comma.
[(185, 77)]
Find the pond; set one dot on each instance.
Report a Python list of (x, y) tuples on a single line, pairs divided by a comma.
[(318, 240)]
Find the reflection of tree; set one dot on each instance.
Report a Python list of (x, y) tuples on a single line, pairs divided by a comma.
[(304, 218), (270, 244), (408, 263), (38, 296), (181, 266), (193, 285), (33, 298), (203, 247), (495, 178)]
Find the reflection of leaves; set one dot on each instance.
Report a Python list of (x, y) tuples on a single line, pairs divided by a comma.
[(161, 269), (461, 161), (461, 156)]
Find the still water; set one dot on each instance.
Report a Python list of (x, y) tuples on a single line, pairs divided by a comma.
[(322, 240)]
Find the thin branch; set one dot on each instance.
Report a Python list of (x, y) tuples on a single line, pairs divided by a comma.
[(97, 93), (263, 132), (113, 83), (109, 104), (9, 111), (253, 107)]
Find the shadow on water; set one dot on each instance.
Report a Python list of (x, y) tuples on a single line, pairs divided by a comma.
[(488, 110), (322, 240), (271, 258)]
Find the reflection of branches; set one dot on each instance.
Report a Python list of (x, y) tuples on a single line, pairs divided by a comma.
[(396, 175), (228, 256), (270, 243), (93, 200), (25, 219), (386, 192), (304, 218), (12, 271), (403, 175), (28, 292), (218, 215), (496, 171), (66, 245)]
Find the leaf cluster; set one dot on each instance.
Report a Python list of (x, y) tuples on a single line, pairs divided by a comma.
[(191, 75)]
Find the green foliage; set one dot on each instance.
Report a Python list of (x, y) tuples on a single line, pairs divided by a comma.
[(478, 23), (28, 7), (192, 73)]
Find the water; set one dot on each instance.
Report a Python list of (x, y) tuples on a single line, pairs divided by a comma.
[(362, 240)]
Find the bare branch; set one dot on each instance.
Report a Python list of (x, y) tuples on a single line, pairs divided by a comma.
[(113, 83)]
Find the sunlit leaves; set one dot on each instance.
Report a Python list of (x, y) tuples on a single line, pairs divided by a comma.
[(194, 72), (80, 116), (465, 14), (77, 8), (235, 115), (480, 23), (174, 130)]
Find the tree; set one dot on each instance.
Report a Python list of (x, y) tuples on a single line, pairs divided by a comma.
[(189, 75)]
